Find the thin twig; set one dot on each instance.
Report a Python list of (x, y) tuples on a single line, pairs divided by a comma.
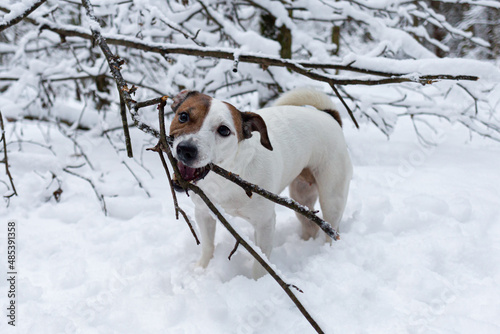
[(174, 197), (139, 183), (148, 103), (345, 104), (234, 250), (6, 158), (158, 148), (126, 133), (117, 151), (75, 143), (115, 128), (472, 96), (99, 196), (127, 41), (69, 123)]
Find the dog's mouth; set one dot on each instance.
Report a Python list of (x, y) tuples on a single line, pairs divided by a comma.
[(190, 174)]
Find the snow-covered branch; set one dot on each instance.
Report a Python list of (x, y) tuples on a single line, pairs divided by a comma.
[(299, 67), (19, 11)]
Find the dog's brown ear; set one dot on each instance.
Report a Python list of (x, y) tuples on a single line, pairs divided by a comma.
[(181, 97), (253, 122)]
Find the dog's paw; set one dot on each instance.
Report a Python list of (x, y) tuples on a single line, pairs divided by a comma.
[(203, 261)]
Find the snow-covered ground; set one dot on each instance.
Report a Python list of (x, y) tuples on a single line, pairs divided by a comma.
[(419, 249)]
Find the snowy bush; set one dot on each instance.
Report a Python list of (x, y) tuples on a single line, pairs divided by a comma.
[(48, 60)]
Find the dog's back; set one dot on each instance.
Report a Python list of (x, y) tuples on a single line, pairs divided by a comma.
[(309, 97)]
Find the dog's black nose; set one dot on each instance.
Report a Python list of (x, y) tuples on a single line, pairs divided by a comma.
[(187, 152)]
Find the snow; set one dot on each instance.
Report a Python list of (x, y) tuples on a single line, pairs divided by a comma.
[(444, 66), (418, 251), (419, 239)]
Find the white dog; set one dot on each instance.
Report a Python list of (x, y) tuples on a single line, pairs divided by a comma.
[(296, 146)]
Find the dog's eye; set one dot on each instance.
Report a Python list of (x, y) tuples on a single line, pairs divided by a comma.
[(183, 117), (224, 131)]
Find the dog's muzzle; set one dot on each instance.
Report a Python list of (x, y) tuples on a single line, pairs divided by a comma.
[(187, 153)]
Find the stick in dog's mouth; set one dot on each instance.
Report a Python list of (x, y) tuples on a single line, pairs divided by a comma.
[(189, 174)]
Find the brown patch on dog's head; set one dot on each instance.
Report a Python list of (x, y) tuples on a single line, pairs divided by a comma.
[(196, 105), (335, 114), (237, 120), (181, 97)]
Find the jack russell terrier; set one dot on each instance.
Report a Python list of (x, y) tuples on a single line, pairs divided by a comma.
[(296, 146)]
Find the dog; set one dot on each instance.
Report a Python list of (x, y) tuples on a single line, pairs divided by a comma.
[(298, 142)]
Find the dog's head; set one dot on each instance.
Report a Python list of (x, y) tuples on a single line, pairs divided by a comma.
[(207, 130)]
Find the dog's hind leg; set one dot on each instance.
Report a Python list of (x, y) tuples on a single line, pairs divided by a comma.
[(333, 188), (305, 191)]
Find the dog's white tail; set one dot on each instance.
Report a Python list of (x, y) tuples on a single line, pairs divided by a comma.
[(309, 97)]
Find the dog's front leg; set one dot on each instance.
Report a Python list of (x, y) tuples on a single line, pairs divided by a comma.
[(206, 224), (264, 237)]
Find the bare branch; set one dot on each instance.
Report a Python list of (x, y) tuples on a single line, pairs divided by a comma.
[(75, 143), (6, 158), (178, 209), (126, 133), (115, 64), (157, 148), (148, 103), (345, 105), (139, 183), (287, 202), (99, 196)]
